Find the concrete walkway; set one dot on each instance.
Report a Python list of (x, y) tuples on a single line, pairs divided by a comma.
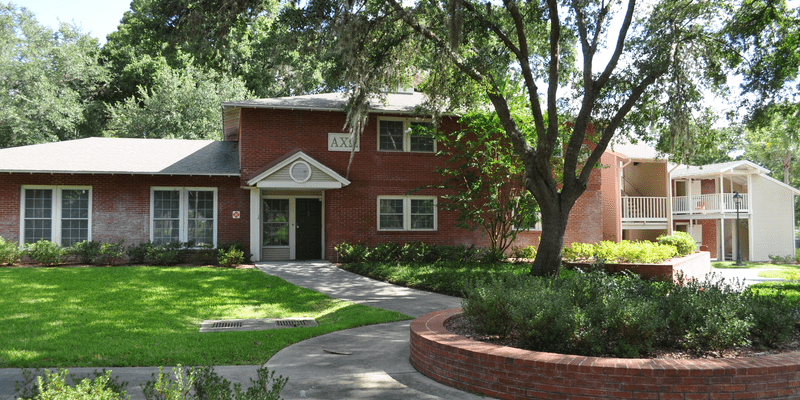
[(370, 362), (747, 276)]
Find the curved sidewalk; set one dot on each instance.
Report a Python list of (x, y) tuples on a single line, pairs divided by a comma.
[(370, 362)]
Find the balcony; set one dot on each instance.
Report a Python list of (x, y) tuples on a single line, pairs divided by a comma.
[(644, 209), (709, 204)]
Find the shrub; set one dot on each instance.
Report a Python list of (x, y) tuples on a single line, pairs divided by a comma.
[(528, 252), (682, 241), (111, 253), (86, 252), (351, 252), (207, 385), (594, 313), (45, 252), (622, 252), (166, 254), (230, 258), (53, 386), (781, 259), (411, 252), (138, 253), (10, 253)]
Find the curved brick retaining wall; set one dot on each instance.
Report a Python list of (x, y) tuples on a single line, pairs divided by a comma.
[(509, 373)]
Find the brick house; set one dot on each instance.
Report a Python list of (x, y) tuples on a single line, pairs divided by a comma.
[(278, 182)]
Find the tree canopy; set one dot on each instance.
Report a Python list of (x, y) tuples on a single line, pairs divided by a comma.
[(50, 81), (565, 56)]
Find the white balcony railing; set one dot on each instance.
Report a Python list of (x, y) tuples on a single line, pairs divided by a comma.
[(709, 203), (644, 209)]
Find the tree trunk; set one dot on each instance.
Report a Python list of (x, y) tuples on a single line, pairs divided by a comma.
[(554, 226), (787, 162)]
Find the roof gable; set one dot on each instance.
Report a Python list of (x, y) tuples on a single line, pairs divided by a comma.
[(298, 170)]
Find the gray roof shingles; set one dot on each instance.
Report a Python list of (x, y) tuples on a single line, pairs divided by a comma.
[(125, 156)]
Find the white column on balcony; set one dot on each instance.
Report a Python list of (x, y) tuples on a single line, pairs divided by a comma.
[(721, 251), (750, 229)]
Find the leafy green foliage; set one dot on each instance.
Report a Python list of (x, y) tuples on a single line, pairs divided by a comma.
[(54, 386), (598, 314), (622, 252), (484, 181), (230, 258), (683, 242), (45, 252), (181, 104), (10, 253), (202, 383), (411, 252), (527, 252), (51, 81), (446, 277), (86, 251)]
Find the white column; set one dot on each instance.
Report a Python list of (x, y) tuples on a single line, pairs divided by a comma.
[(721, 233), (255, 223)]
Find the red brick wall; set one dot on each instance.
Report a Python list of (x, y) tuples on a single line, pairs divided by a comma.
[(710, 235), (708, 186), (351, 212), (507, 373), (121, 203)]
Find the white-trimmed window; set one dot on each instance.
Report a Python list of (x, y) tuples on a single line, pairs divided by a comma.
[(405, 134), (60, 214), (183, 215), (407, 213)]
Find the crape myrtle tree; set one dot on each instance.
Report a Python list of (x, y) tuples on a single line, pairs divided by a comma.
[(484, 181), (465, 50)]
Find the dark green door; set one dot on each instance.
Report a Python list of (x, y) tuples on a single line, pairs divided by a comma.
[(308, 228)]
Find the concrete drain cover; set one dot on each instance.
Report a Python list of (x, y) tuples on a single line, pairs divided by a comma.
[(228, 325)]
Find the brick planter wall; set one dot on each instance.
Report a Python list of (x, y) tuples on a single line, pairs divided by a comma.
[(508, 373)]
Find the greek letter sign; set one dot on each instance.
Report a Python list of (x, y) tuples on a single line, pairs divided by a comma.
[(341, 142)]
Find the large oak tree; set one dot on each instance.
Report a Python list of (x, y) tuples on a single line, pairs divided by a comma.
[(565, 56)]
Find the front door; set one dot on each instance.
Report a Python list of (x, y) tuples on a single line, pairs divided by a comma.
[(308, 229)]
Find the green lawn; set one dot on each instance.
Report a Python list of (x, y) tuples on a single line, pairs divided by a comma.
[(150, 316), (446, 277)]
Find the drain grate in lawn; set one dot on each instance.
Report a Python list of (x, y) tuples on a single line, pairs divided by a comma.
[(228, 325)]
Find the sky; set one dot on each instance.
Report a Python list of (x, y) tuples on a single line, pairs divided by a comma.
[(96, 17)]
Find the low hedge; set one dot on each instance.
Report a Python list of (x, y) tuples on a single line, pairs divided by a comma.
[(597, 314), (109, 253), (623, 252)]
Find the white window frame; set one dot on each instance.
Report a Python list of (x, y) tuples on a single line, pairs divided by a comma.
[(407, 213), (55, 212), (183, 224), (406, 134)]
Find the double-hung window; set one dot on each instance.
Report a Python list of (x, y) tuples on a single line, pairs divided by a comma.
[(60, 214), (183, 215), (405, 135), (406, 213)]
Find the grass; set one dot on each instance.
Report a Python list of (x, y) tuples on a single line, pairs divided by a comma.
[(150, 316), (747, 265), (446, 277)]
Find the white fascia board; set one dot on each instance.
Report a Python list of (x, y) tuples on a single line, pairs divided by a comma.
[(257, 181), (295, 185)]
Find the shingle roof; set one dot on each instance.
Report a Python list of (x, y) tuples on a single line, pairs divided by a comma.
[(125, 156), (396, 103), (710, 169)]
